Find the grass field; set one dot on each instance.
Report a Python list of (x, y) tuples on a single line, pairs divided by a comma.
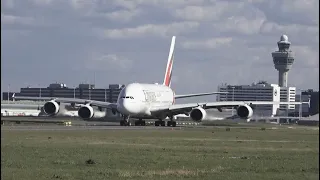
[(187, 153)]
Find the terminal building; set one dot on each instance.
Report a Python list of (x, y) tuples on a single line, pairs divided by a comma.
[(307, 109), (83, 91), (261, 91)]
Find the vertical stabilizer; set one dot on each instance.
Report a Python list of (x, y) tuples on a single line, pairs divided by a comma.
[(168, 74)]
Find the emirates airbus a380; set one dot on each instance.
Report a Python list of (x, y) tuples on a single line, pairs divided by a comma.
[(152, 101)]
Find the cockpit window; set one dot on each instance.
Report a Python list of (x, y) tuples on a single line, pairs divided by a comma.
[(127, 97)]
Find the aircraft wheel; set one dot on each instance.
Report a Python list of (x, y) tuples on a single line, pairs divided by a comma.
[(137, 123)]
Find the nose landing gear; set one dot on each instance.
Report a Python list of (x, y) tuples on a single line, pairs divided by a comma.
[(125, 121)]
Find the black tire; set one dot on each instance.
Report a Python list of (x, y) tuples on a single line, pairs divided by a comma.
[(173, 124), (137, 123)]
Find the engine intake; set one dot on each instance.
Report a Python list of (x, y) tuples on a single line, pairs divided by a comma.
[(198, 114), (244, 111), (86, 112), (51, 107)]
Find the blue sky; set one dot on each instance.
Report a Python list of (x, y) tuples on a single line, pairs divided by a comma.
[(123, 41)]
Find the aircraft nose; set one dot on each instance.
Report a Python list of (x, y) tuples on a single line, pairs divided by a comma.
[(128, 107)]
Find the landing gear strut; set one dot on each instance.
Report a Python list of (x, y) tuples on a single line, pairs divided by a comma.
[(171, 122), (160, 123), (125, 121), (140, 122)]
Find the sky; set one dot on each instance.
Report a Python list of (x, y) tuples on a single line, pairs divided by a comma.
[(122, 41)]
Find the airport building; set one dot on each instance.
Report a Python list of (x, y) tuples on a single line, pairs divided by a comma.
[(83, 91), (261, 91), (307, 109)]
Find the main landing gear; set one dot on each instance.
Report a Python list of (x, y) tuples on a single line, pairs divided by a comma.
[(140, 122), (126, 122), (160, 123), (172, 123), (163, 123)]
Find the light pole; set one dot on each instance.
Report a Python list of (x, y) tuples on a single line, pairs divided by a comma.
[(232, 98), (74, 92), (8, 92), (300, 106), (105, 95), (39, 90), (89, 91)]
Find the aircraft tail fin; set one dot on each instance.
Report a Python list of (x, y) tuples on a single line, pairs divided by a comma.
[(168, 74)]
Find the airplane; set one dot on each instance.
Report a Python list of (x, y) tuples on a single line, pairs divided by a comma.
[(152, 101)]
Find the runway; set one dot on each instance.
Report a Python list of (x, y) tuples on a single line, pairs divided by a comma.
[(37, 123), (59, 128), (57, 124)]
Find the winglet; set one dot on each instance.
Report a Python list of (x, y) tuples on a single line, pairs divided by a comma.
[(168, 74)]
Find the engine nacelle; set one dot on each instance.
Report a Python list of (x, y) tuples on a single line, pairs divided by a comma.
[(51, 107), (198, 114), (244, 111), (85, 112)]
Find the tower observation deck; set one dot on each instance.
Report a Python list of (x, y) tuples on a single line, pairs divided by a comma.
[(283, 60)]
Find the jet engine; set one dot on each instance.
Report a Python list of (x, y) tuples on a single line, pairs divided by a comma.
[(244, 111), (85, 112), (198, 114), (51, 107)]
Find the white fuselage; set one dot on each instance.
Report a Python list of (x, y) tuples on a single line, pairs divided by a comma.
[(136, 100)]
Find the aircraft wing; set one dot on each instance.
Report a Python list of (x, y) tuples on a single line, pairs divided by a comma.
[(70, 100), (183, 108), (197, 94)]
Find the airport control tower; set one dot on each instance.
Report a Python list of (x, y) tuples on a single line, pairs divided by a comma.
[(283, 60)]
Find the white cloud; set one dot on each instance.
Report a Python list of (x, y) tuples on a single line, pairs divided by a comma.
[(132, 4), (42, 2), (11, 19), (123, 15), (240, 24), (98, 61), (200, 13), (274, 28), (162, 30), (208, 43)]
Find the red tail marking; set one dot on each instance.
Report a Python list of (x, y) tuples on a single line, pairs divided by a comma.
[(168, 75)]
